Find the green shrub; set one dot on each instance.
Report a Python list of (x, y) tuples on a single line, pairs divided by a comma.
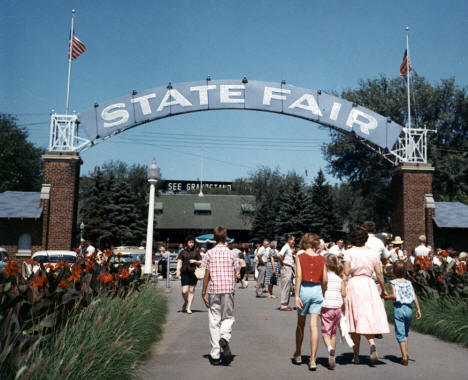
[(105, 340), (442, 316)]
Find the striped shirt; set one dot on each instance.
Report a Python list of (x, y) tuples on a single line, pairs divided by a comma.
[(221, 262), (332, 298)]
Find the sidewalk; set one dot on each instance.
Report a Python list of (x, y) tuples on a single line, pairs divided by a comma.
[(263, 343)]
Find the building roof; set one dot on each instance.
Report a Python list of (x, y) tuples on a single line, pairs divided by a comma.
[(451, 215), (189, 211), (20, 204)]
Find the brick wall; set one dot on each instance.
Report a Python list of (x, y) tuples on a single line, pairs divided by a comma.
[(410, 183), (62, 172)]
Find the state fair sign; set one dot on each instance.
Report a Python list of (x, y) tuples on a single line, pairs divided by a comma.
[(142, 107)]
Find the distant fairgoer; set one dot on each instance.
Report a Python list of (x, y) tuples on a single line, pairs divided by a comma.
[(286, 259), (218, 294), (422, 250), (262, 255)]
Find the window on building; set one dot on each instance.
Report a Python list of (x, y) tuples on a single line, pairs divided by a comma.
[(202, 208), (158, 207), (24, 243), (247, 208)]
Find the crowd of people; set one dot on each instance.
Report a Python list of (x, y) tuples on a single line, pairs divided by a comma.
[(338, 285)]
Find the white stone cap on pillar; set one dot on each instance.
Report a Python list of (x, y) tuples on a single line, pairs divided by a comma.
[(45, 191), (429, 201)]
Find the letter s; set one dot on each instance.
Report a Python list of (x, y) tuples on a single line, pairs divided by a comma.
[(121, 114)]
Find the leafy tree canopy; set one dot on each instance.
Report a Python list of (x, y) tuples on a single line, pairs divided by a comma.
[(21, 164)]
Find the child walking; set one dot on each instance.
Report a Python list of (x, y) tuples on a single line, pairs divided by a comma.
[(311, 283), (332, 305), (403, 295)]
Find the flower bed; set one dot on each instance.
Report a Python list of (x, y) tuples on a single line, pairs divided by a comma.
[(33, 308)]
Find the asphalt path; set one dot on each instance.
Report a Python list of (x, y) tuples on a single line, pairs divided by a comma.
[(263, 341)]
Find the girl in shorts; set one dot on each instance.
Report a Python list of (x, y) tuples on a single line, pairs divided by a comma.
[(311, 283), (332, 305), (403, 296), (187, 262)]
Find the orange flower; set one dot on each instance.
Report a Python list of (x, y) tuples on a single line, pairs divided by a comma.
[(410, 266), (31, 262), (135, 264), (11, 269), (73, 277), (39, 281), (63, 284), (108, 252), (88, 266), (124, 274), (49, 266), (106, 278), (77, 250), (119, 254), (62, 264)]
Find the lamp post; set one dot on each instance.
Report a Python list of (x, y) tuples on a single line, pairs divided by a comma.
[(154, 173), (82, 225)]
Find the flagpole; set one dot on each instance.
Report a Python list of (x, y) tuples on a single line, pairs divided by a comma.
[(407, 76), (70, 52)]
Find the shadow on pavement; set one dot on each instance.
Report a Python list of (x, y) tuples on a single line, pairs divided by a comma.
[(224, 362)]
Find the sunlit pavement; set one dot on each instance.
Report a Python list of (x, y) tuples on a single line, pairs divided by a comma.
[(263, 343)]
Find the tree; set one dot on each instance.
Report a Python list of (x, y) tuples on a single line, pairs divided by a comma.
[(21, 168), (292, 217), (130, 227), (442, 106), (266, 186), (323, 214)]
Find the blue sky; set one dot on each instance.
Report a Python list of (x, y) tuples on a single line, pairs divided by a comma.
[(139, 45)]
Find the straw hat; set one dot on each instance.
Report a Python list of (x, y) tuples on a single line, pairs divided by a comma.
[(462, 255), (397, 240)]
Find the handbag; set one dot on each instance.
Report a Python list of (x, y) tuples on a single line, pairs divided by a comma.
[(200, 273)]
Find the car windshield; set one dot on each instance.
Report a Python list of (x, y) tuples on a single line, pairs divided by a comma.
[(54, 259), (128, 258)]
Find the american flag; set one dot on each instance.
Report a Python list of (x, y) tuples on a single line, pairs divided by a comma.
[(403, 67), (78, 48)]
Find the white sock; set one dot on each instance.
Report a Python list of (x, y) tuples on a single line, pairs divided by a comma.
[(330, 348)]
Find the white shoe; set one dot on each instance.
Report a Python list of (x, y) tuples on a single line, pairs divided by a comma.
[(246, 284), (189, 311)]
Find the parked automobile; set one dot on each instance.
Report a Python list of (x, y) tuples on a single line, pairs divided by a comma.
[(47, 257), (3, 258), (126, 256)]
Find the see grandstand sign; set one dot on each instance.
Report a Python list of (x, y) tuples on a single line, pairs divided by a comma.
[(176, 186)]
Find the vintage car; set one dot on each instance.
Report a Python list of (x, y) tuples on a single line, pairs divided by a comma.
[(47, 257)]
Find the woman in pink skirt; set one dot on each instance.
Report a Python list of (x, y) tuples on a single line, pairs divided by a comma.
[(365, 312)]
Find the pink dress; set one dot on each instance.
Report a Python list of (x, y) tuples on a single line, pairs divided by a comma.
[(365, 311)]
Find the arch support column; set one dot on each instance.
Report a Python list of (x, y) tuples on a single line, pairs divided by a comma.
[(62, 176), (412, 211)]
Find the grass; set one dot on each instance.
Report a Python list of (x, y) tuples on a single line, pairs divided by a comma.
[(442, 316), (105, 340)]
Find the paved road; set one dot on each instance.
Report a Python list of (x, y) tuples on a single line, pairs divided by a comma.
[(263, 343)]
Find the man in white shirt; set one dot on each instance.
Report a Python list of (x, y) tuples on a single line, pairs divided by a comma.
[(90, 250), (285, 257), (374, 242), (337, 249), (262, 254), (422, 250)]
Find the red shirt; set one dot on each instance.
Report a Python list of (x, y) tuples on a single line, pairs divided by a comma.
[(312, 267)]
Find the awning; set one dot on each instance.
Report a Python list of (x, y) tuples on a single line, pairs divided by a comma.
[(209, 238)]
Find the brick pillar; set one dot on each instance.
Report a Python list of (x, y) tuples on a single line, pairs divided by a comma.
[(410, 184), (62, 173)]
